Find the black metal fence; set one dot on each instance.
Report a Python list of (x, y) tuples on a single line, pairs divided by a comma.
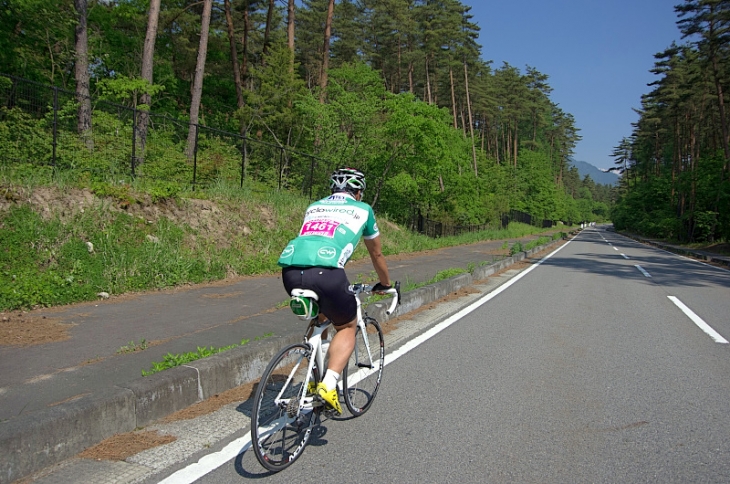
[(526, 218), (41, 124), (433, 228)]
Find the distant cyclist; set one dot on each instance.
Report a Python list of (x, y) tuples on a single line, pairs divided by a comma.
[(316, 259)]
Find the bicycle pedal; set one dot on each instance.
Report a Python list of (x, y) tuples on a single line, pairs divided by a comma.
[(331, 413)]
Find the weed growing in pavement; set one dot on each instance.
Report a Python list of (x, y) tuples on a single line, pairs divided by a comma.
[(171, 361), (133, 347), (440, 276), (534, 243)]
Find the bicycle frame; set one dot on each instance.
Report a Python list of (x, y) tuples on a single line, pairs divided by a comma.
[(288, 385), (314, 340)]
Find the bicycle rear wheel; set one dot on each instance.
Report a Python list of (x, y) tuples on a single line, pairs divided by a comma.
[(284, 413), (361, 377)]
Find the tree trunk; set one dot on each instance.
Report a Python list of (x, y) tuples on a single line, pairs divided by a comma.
[(290, 33), (198, 81), (234, 54), (471, 120), (148, 60), (326, 50), (410, 67), (244, 42), (82, 75), (453, 95), (267, 32), (428, 84), (410, 77), (515, 143), (397, 84)]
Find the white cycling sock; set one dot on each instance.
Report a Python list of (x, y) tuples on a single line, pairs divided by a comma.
[(330, 379)]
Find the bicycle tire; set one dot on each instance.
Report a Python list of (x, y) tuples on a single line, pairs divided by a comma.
[(364, 371), (280, 427)]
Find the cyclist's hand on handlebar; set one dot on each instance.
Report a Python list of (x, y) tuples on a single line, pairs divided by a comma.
[(381, 288)]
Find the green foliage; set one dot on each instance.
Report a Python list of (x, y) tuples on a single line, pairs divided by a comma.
[(46, 260), (125, 90), (416, 151), (23, 138), (675, 163)]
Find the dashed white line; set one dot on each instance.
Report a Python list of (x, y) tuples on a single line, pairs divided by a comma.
[(698, 321), (624, 256), (643, 271)]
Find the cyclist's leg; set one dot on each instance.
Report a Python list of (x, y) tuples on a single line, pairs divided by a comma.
[(341, 346), (338, 303)]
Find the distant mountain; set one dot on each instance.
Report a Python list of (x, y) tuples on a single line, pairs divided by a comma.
[(597, 175)]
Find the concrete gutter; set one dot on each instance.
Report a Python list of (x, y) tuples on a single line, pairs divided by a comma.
[(36, 441)]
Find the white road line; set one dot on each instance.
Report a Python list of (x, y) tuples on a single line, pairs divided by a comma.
[(646, 274), (211, 462), (680, 256), (698, 321), (624, 256), (615, 248)]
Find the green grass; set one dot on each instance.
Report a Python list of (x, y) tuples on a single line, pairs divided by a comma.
[(45, 258), (171, 361)]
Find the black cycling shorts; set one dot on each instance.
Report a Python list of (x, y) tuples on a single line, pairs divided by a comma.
[(336, 301)]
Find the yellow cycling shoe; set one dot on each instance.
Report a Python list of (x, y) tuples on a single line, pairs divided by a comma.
[(329, 397)]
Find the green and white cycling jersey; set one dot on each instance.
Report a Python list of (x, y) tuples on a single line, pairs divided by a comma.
[(331, 230)]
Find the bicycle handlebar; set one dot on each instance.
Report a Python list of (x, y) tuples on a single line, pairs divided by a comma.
[(394, 290)]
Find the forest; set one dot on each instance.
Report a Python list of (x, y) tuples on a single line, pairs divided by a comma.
[(399, 89), (675, 182)]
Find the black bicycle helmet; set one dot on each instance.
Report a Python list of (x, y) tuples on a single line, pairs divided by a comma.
[(347, 180)]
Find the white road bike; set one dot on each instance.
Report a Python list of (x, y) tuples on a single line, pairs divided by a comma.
[(285, 409)]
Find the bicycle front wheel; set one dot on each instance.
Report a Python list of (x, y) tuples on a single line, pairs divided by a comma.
[(284, 411), (361, 377)]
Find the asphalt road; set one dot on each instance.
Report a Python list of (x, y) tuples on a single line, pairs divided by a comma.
[(604, 363)]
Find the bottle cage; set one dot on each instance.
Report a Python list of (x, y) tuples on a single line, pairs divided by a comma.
[(303, 304)]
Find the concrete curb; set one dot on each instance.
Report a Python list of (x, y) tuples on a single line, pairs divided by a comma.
[(31, 443)]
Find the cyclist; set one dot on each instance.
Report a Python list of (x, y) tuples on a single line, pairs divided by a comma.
[(316, 259)]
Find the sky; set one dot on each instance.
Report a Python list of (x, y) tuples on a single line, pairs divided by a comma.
[(597, 54)]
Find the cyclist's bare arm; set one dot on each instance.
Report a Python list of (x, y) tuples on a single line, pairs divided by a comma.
[(376, 256)]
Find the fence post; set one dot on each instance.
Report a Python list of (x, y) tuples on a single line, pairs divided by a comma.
[(243, 158), (134, 138), (55, 125)]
